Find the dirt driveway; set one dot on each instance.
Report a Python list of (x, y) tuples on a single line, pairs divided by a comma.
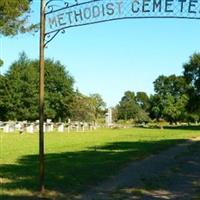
[(172, 174)]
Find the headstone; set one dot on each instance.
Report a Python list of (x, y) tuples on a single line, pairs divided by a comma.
[(30, 128), (49, 121), (51, 127), (82, 126), (44, 127), (68, 125), (6, 128), (68, 128), (85, 126), (61, 127), (36, 125), (77, 126)]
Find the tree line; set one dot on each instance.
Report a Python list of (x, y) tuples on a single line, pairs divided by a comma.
[(176, 98), (19, 96)]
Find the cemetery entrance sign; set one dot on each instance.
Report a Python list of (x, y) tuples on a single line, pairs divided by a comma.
[(90, 12), (58, 15)]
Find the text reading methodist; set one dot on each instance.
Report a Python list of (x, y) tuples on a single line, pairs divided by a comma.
[(106, 10)]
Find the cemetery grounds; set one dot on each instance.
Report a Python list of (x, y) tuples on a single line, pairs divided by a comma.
[(75, 162)]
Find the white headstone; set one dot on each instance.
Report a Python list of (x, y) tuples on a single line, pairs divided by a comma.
[(30, 128), (6, 128), (61, 128)]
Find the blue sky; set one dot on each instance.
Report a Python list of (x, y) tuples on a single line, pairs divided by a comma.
[(113, 57)]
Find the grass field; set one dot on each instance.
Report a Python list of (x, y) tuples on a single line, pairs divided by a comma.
[(76, 161)]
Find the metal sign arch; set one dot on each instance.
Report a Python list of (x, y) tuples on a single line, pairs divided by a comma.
[(58, 15), (67, 14)]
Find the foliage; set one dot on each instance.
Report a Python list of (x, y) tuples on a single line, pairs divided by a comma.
[(115, 114), (1, 62), (192, 117), (127, 107), (87, 108), (133, 107), (97, 105), (20, 85), (192, 76), (59, 91), (19, 89), (142, 117), (171, 98), (155, 107), (143, 100), (173, 109), (176, 98), (14, 17), (81, 110)]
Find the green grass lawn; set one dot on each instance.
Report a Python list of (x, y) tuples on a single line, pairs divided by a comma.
[(76, 161)]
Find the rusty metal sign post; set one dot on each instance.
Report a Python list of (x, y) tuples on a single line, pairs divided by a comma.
[(58, 15), (41, 96)]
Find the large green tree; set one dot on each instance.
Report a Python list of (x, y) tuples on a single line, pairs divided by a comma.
[(14, 17), (19, 90), (80, 108), (192, 76), (127, 107), (98, 105), (87, 108), (131, 108), (171, 97)]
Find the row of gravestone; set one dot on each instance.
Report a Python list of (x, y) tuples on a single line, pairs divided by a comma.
[(21, 127)]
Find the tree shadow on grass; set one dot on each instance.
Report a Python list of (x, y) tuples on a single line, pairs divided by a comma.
[(70, 173), (185, 127)]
